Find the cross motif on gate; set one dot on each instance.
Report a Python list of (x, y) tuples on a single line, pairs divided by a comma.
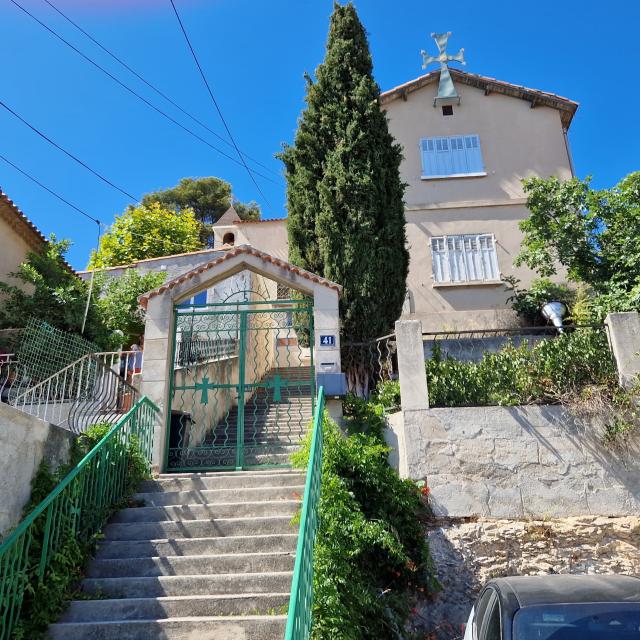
[(445, 89), (204, 386), (276, 383)]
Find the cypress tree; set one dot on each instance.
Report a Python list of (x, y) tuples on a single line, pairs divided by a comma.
[(344, 192)]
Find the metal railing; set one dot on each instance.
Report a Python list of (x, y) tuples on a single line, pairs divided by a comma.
[(471, 345), (300, 615), (76, 509), (86, 391), (125, 363), (376, 359)]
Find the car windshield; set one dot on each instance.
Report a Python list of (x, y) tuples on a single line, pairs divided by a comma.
[(588, 621)]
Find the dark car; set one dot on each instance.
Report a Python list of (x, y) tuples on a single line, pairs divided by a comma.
[(557, 607)]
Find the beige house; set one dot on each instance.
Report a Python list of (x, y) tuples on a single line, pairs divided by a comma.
[(18, 236), (463, 163)]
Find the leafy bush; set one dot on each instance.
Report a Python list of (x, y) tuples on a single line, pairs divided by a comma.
[(370, 551), (514, 375), (44, 601), (528, 302)]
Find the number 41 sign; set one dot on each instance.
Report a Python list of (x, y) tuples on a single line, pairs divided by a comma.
[(327, 341)]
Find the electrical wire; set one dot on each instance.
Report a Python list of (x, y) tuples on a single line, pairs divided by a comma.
[(67, 153), (55, 194), (215, 102), (51, 191), (151, 85), (137, 95)]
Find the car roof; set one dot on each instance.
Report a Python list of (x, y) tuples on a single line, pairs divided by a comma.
[(568, 589)]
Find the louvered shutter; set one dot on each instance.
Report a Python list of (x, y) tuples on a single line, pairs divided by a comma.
[(473, 154), (438, 258), (428, 157)]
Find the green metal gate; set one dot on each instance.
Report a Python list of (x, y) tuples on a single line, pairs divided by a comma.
[(243, 384)]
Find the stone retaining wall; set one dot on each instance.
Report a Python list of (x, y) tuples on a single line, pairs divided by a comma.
[(513, 462)]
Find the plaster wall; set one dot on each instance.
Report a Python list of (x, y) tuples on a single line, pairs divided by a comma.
[(514, 462), (517, 142), (24, 442), (13, 251)]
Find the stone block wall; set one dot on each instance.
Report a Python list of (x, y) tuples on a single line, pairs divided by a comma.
[(514, 462)]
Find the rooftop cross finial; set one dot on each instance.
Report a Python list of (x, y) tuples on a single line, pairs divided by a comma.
[(446, 90)]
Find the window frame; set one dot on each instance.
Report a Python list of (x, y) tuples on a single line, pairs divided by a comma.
[(463, 258), (454, 144)]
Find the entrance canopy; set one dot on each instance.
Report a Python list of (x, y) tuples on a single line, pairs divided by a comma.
[(264, 280)]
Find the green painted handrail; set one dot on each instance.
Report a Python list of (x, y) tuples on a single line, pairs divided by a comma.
[(78, 507), (301, 601)]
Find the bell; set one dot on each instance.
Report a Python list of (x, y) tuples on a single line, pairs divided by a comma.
[(554, 311)]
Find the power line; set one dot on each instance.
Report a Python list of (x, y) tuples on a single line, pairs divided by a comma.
[(51, 191), (178, 245), (68, 153), (151, 85), (215, 102), (134, 93)]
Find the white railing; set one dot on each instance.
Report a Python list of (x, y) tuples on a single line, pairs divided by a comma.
[(100, 379)]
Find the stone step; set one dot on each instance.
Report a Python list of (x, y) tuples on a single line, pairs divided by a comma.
[(233, 480), (196, 546), (177, 512), (175, 607), (204, 628), (219, 496), (198, 585), (192, 565), (199, 528)]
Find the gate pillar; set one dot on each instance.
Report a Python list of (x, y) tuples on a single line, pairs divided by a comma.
[(326, 315)]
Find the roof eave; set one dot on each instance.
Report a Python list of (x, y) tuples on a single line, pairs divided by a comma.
[(566, 107)]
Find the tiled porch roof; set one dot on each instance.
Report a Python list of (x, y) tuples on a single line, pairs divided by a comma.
[(232, 253)]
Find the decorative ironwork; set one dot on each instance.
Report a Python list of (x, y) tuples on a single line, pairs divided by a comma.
[(446, 88), (300, 620), (245, 400), (376, 360), (91, 389), (77, 508)]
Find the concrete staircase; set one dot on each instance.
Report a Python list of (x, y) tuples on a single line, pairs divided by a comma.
[(205, 557)]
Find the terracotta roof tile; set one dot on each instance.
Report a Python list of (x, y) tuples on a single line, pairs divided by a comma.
[(566, 106), (240, 250), (38, 239)]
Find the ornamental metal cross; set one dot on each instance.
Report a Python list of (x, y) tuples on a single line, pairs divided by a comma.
[(446, 90), (204, 386), (276, 383)]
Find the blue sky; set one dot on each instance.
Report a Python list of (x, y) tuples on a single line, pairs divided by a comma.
[(255, 54)]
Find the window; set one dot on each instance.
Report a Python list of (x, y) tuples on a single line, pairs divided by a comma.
[(199, 298), (464, 258), (491, 630), (481, 610), (229, 238), (451, 157), (447, 110)]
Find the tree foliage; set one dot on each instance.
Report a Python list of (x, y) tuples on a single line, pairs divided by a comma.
[(118, 302), (592, 233), (344, 192), (52, 292), (147, 231), (208, 198)]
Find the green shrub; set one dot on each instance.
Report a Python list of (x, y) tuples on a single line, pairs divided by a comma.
[(544, 373), (528, 302), (370, 552)]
